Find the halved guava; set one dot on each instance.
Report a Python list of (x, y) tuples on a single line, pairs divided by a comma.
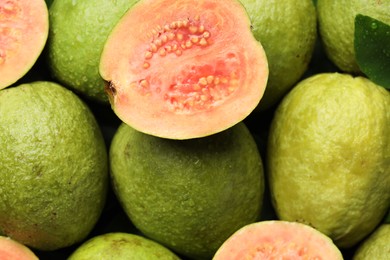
[(24, 27), (184, 69), (277, 239), (13, 250)]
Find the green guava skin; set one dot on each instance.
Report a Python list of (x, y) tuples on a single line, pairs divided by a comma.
[(376, 245), (78, 31), (336, 24), (287, 30), (188, 195), (119, 245), (53, 165), (328, 157)]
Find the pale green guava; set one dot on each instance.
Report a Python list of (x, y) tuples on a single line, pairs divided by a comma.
[(329, 156), (287, 29), (376, 245), (336, 21)]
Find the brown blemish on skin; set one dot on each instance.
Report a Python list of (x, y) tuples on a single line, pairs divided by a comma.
[(110, 88)]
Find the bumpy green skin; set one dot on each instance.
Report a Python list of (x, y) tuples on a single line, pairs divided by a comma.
[(53, 165), (188, 195), (78, 30), (329, 156), (287, 29), (121, 246), (336, 20), (376, 246)]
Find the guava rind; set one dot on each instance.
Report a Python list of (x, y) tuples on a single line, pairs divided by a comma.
[(188, 195), (288, 32), (277, 239), (54, 166), (376, 245), (119, 245), (78, 31), (329, 144), (336, 23)]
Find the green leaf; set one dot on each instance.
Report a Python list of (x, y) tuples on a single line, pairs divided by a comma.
[(372, 49)]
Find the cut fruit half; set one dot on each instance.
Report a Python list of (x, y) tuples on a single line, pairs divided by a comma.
[(184, 69), (277, 239), (13, 250), (24, 27)]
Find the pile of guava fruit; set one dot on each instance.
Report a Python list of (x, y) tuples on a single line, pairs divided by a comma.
[(194, 129)]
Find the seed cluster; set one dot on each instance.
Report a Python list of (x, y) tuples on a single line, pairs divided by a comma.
[(176, 37), (190, 93), (202, 94)]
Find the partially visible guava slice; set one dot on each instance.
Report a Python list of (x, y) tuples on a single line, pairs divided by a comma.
[(24, 27), (13, 250), (193, 70), (277, 239)]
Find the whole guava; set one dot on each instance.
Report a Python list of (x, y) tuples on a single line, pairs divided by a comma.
[(53, 166), (328, 157), (189, 195)]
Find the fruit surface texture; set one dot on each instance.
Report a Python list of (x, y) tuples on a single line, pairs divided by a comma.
[(191, 71), (376, 245), (336, 19), (121, 246), (53, 166), (189, 195), (13, 250), (287, 29), (78, 31), (275, 239), (24, 27), (329, 144)]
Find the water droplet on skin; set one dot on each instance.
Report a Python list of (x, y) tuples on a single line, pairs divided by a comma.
[(79, 38), (374, 25)]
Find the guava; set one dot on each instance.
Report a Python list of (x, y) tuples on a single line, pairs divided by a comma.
[(328, 158), (13, 250), (376, 245), (336, 20), (277, 239), (23, 34), (78, 30), (121, 246), (193, 70), (287, 30), (188, 195), (53, 166)]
